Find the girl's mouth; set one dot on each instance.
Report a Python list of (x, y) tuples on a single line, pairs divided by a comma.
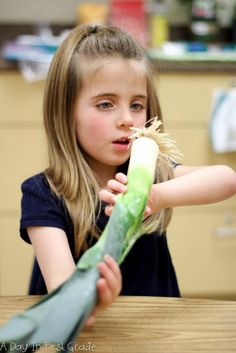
[(121, 144), (122, 141)]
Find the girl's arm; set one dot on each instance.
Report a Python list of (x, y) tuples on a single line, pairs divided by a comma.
[(55, 260), (53, 254), (194, 186), (190, 186)]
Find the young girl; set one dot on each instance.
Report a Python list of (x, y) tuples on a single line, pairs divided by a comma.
[(98, 86)]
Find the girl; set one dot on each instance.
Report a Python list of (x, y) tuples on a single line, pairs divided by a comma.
[(98, 86)]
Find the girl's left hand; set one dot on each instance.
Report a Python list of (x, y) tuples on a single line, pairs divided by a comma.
[(115, 187)]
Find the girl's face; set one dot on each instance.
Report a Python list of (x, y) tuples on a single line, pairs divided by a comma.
[(113, 99)]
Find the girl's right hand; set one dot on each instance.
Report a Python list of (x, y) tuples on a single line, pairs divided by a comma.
[(115, 187), (108, 286)]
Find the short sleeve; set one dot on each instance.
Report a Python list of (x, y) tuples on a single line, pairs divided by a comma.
[(41, 207)]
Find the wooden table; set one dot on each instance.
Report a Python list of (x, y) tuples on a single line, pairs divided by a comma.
[(151, 325)]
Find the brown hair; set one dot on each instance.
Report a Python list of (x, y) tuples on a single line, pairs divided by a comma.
[(68, 173)]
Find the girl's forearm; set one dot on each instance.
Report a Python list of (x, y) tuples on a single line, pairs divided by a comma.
[(203, 186)]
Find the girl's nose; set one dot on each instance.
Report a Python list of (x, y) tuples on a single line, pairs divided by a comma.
[(125, 119)]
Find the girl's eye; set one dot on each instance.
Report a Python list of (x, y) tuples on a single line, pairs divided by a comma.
[(104, 105), (137, 106)]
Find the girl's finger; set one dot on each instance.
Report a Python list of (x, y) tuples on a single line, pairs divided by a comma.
[(112, 281), (107, 196), (104, 294), (108, 210), (116, 186), (110, 270), (147, 211), (90, 321), (122, 178), (113, 265)]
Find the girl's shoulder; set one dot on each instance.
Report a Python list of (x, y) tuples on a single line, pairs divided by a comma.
[(36, 181), (37, 185), (37, 195), (41, 207)]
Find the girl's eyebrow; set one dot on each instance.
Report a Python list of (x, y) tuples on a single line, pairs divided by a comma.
[(142, 96), (105, 95)]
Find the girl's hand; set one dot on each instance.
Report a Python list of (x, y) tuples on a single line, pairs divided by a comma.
[(115, 187), (108, 286)]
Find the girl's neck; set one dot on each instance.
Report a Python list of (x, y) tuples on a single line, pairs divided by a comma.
[(103, 174)]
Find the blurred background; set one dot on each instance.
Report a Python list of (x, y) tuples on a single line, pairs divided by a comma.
[(192, 45)]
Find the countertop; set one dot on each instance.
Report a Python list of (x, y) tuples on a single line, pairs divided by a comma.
[(191, 66), (151, 325), (9, 32), (164, 66)]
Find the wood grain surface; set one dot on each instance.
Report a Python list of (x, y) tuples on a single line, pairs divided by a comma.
[(150, 325)]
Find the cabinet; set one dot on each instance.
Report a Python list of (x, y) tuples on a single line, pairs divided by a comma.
[(205, 263), (22, 153)]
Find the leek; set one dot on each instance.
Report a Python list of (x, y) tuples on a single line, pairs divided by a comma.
[(59, 316)]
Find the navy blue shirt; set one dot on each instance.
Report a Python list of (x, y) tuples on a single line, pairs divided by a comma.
[(147, 270)]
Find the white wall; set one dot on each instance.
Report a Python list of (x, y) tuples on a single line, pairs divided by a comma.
[(64, 11), (31, 11)]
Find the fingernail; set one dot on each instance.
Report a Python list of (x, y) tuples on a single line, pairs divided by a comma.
[(107, 257), (99, 265), (125, 179)]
